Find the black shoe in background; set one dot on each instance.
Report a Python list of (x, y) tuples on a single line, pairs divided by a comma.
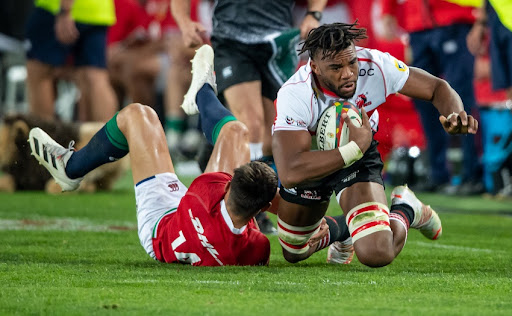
[(265, 224)]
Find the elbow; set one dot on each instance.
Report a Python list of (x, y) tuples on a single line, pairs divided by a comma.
[(441, 88)]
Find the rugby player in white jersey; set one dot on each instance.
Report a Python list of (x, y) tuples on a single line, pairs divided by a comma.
[(340, 71)]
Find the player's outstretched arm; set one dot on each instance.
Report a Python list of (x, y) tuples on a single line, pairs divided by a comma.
[(422, 85)]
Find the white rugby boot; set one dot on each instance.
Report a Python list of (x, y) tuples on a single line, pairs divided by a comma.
[(341, 252), (202, 72), (425, 218), (53, 157)]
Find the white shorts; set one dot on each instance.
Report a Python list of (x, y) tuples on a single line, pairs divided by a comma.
[(156, 197)]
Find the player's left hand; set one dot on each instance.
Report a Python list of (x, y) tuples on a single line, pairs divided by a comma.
[(459, 123)]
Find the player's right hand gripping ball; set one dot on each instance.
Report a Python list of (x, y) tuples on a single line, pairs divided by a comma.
[(332, 132)]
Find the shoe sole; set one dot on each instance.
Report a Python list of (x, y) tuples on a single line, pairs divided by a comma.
[(33, 140), (189, 104)]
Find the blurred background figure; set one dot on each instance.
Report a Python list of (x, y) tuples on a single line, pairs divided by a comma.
[(70, 32), (437, 31), (13, 45), (490, 40), (149, 64), (254, 44), (495, 16), (135, 59)]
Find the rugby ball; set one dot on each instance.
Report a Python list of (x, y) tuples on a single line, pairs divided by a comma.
[(331, 131)]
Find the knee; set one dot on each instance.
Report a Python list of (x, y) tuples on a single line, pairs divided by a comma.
[(290, 257), (374, 256), (237, 128), (136, 112)]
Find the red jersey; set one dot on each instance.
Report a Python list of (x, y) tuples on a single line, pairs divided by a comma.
[(420, 15), (130, 17), (201, 232), (160, 11)]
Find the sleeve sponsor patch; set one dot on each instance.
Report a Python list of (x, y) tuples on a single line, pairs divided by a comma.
[(400, 65)]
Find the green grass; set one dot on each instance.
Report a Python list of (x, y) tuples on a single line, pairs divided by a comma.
[(79, 254)]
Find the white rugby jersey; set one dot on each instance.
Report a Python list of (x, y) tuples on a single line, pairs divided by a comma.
[(301, 101)]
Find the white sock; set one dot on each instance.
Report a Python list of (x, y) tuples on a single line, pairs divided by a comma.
[(256, 150)]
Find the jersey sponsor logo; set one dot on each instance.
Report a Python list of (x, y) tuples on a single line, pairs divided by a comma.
[(400, 65), (366, 72), (362, 101), (289, 120), (173, 186), (350, 177), (301, 123), (310, 195), (323, 126), (202, 238)]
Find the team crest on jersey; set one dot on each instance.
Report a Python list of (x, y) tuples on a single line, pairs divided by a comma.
[(400, 65), (173, 186), (362, 101), (289, 120)]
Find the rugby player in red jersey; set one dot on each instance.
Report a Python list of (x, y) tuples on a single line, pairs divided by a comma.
[(210, 223)]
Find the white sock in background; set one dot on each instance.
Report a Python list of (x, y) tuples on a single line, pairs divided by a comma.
[(256, 150)]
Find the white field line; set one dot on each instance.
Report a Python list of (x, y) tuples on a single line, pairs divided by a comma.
[(452, 247), (63, 224)]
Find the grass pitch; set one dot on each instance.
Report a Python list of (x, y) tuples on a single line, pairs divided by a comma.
[(79, 254)]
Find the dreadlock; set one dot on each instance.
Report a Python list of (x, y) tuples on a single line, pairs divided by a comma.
[(332, 38)]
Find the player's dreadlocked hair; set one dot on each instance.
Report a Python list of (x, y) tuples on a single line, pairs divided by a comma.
[(330, 39)]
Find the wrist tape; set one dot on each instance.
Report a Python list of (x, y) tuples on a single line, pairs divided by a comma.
[(350, 153)]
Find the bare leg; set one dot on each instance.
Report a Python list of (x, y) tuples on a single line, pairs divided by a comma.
[(245, 101), (149, 154), (141, 80), (270, 115), (41, 90), (231, 149), (178, 77), (95, 85)]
